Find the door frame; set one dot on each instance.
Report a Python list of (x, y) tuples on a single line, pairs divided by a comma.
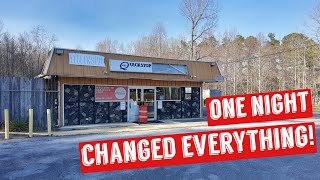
[(142, 98)]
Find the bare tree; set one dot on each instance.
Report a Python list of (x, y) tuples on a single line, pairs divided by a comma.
[(42, 42), (109, 45), (79, 47), (315, 21), (159, 36), (202, 16), (24, 54), (1, 26)]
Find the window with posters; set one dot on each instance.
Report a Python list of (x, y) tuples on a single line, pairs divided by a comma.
[(111, 93)]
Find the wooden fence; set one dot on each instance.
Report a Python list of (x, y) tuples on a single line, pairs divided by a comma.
[(18, 94)]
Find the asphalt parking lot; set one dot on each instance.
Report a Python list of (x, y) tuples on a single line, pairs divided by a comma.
[(58, 158)]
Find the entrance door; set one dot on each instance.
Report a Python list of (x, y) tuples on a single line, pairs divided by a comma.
[(139, 96)]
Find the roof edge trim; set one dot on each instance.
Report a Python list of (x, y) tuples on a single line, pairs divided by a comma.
[(203, 61), (49, 61)]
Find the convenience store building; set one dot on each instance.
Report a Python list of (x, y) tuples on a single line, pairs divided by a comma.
[(98, 87)]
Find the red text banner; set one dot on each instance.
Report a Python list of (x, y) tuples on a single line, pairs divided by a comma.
[(200, 147), (249, 108)]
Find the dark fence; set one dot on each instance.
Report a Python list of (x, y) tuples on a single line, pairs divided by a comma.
[(18, 94)]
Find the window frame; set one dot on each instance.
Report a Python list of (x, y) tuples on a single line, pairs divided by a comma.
[(173, 66), (170, 91), (187, 93)]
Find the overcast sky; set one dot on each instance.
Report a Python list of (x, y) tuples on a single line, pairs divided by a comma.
[(85, 22)]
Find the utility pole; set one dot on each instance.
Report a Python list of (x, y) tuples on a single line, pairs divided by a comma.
[(304, 68), (259, 81), (295, 69), (234, 79)]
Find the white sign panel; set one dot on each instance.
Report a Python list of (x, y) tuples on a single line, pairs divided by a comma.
[(130, 66), (219, 78), (86, 60), (122, 105), (160, 104)]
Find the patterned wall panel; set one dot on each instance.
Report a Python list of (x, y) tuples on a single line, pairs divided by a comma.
[(71, 93), (186, 108), (125, 114), (176, 110), (166, 111), (195, 102), (71, 106), (71, 114), (102, 112), (115, 114), (80, 107), (87, 93), (86, 103), (86, 114)]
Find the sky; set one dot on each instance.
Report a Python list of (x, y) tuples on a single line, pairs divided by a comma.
[(82, 23)]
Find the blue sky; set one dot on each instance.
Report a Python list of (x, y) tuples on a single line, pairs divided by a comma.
[(84, 22)]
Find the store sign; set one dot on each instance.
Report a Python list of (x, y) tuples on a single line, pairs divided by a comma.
[(130, 66), (219, 78), (111, 93), (160, 105), (86, 60), (122, 105)]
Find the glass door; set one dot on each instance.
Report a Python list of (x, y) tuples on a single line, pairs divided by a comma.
[(139, 96), (148, 99)]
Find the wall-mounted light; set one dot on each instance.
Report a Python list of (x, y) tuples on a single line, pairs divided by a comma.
[(192, 77), (59, 52), (212, 64), (47, 77)]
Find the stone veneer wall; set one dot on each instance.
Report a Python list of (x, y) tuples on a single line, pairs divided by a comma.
[(181, 109)]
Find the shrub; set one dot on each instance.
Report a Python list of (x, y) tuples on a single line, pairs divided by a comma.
[(18, 125)]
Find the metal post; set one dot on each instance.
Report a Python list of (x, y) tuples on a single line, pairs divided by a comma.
[(49, 121), (30, 122), (259, 81), (304, 68), (6, 124)]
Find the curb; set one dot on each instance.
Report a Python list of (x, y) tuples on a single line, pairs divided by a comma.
[(111, 130)]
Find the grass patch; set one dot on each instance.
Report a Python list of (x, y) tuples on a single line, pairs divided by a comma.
[(16, 125), (316, 107)]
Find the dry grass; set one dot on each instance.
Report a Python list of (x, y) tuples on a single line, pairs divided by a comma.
[(316, 107)]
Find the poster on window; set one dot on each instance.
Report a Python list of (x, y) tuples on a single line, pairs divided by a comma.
[(111, 93)]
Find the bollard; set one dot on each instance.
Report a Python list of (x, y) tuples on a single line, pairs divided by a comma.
[(6, 124), (49, 121), (30, 122)]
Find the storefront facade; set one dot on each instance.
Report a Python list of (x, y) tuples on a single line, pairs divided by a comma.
[(96, 88)]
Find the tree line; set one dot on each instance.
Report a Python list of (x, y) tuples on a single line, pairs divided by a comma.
[(23, 55)]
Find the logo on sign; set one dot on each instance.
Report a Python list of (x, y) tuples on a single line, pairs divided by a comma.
[(130, 66), (120, 93), (124, 65)]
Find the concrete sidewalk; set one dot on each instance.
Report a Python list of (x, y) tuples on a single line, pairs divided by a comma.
[(117, 128), (165, 124)]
